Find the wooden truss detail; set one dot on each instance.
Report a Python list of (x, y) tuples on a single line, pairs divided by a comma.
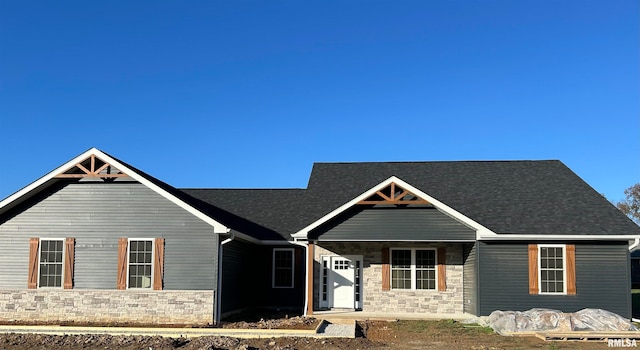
[(394, 194), (91, 167)]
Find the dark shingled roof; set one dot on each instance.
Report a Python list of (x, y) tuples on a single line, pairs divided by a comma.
[(507, 197), (270, 210), (523, 197)]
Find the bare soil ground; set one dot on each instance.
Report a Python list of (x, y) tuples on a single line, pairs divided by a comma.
[(269, 319), (376, 335)]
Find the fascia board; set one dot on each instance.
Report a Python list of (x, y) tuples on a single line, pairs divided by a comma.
[(41, 181), (547, 237)]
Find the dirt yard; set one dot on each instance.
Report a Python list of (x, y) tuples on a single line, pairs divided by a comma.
[(402, 335)]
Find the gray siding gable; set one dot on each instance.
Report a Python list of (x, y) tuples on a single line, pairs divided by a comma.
[(385, 223), (97, 214)]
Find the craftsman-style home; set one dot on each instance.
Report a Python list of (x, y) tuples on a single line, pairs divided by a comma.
[(97, 240)]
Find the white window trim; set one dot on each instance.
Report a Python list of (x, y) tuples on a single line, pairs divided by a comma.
[(273, 267), (413, 269), (153, 260), (64, 255), (564, 268)]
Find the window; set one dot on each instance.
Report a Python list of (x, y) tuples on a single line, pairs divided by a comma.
[(552, 269), (425, 269), (50, 266), (413, 269), (283, 267), (140, 263)]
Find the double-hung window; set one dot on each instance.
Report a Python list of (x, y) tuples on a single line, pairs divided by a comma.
[(552, 269), (283, 262), (140, 263), (413, 269), (50, 267)]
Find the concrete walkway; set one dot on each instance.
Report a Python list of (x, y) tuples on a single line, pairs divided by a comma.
[(337, 315), (324, 330)]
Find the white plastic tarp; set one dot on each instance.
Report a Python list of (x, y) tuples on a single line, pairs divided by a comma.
[(505, 322)]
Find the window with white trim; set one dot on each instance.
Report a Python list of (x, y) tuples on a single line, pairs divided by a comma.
[(413, 269), (551, 258), (50, 266), (283, 267), (140, 263)]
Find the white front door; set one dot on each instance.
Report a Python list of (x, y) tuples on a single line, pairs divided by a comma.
[(342, 282)]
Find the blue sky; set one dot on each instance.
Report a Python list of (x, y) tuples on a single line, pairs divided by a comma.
[(251, 93)]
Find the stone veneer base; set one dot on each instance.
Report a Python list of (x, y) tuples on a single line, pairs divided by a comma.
[(107, 306)]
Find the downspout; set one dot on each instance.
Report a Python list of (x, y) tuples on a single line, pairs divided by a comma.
[(636, 242), (306, 277), (219, 294)]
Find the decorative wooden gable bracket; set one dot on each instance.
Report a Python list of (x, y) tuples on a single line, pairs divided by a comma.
[(92, 167), (394, 194)]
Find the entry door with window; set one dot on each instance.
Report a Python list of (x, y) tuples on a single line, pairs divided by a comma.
[(341, 282)]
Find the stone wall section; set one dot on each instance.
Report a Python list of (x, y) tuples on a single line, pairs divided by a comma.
[(396, 301), (108, 306)]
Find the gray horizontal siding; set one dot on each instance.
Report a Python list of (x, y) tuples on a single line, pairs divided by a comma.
[(383, 224), (97, 214), (470, 290), (602, 279)]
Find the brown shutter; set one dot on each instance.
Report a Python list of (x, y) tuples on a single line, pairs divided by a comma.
[(533, 269), (33, 263), (442, 268), (158, 264), (121, 282), (70, 244), (386, 270), (571, 269)]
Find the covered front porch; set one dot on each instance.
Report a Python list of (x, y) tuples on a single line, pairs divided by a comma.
[(411, 279), (393, 250)]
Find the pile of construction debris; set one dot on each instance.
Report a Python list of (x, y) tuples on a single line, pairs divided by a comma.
[(535, 320)]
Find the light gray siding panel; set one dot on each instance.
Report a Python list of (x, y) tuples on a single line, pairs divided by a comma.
[(602, 279), (14, 262), (97, 214), (96, 263), (470, 279), (192, 261), (394, 223)]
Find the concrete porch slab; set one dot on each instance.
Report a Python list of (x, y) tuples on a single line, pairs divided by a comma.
[(335, 316)]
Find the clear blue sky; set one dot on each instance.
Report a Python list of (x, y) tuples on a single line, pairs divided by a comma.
[(251, 93)]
